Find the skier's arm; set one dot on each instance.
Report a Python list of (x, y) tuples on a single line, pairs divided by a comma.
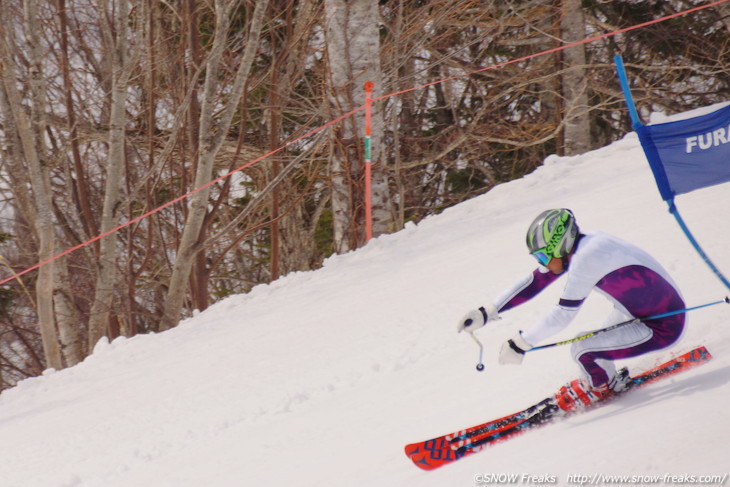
[(522, 291), (525, 289)]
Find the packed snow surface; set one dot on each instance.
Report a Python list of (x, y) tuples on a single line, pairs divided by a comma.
[(322, 377)]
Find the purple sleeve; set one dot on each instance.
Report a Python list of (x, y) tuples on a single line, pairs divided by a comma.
[(525, 290)]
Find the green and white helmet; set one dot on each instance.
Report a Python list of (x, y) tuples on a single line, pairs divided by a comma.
[(552, 235)]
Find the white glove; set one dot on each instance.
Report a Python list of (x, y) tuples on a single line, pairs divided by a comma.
[(513, 350), (477, 318)]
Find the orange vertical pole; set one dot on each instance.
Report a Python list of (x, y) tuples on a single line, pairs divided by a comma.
[(369, 85)]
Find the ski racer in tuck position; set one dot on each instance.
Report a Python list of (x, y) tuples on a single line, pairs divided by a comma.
[(634, 281)]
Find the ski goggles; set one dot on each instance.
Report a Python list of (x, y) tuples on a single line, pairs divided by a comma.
[(542, 257)]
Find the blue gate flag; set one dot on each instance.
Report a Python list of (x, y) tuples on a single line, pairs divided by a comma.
[(684, 155), (688, 154)]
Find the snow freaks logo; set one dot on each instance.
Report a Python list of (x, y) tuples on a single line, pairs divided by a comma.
[(514, 478)]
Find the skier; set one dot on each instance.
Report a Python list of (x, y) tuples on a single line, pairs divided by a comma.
[(634, 281)]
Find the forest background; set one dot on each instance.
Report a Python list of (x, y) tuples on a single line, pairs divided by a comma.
[(198, 127)]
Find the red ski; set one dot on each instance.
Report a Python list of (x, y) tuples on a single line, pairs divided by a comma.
[(439, 451)]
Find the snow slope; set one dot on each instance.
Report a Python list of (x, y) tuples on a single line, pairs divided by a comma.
[(322, 377)]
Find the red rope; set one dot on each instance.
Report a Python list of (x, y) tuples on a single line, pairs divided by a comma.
[(342, 117), (559, 48)]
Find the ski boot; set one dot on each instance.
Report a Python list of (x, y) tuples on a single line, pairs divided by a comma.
[(580, 394)]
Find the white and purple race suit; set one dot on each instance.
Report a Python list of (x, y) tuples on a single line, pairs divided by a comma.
[(631, 279)]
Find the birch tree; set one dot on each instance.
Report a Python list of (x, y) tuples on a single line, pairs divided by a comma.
[(59, 335), (353, 53), (213, 130), (577, 129), (115, 38)]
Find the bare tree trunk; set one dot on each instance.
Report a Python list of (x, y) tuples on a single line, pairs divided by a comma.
[(70, 335), (274, 129), (353, 50), (344, 165), (31, 136), (212, 136), (577, 132), (107, 272), (383, 208)]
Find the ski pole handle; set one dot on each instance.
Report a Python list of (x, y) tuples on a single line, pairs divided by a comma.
[(726, 299)]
